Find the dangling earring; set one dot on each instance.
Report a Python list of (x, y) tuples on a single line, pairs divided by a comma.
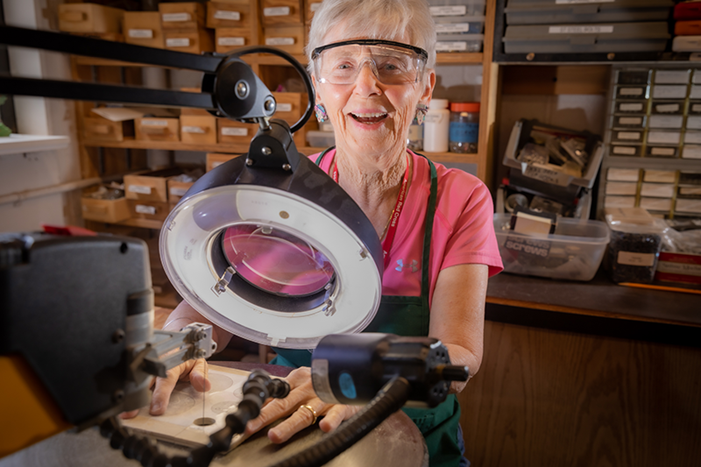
[(421, 110), (320, 111)]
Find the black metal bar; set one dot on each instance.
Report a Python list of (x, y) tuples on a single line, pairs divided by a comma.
[(90, 47), (104, 93)]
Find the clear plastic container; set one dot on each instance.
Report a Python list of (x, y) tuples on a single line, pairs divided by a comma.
[(415, 138), (464, 127)]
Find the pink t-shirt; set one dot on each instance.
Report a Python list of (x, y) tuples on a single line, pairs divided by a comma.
[(463, 230)]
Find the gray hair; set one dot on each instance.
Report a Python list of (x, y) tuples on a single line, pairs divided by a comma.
[(375, 19)]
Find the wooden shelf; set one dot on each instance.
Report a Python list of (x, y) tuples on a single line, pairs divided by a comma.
[(459, 58), (18, 144)]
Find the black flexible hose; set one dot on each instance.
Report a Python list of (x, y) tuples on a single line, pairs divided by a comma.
[(390, 399)]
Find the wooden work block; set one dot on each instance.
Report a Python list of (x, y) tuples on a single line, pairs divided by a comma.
[(198, 129), (143, 28), (282, 12), (181, 15), (194, 41), (157, 129), (89, 17), (287, 38)]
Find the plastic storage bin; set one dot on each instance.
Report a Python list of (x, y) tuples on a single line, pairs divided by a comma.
[(611, 11), (442, 8), (573, 252)]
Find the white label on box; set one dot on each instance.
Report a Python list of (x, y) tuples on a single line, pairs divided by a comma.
[(696, 108), (669, 92), (216, 164), (628, 135), (178, 42), (193, 129), (143, 209), (691, 152), (634, 107), (666, 121), (636, 259), (284, 107), (315, 6), (624, 150), (140, 189), (667, 108), (176, 17), (672, 77), (679, 268), (452, 28), (632, 92), (280, 41), (695, 92), (622, 175), (665, 137), (227, 15), (231, 41), (178, 191), (580, 29), (141, 33), (454, 10), (692, 137), (572, 2), (149, 122), (448, 46), (234, 131), (666, 152), (547, 175), (277, 11), (693, 123), (630, 120)]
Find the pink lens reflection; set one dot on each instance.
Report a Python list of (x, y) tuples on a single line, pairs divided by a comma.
[(276, 261)]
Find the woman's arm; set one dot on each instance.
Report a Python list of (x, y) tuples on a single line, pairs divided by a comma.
[(457, 315)]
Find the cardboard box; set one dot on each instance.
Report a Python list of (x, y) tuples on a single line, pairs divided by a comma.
[(194, 41), (678, 267), (149, 186), (181, 15), (232, 132), (89, 17), (101, 129), (198, 129), (282, 12), (152, 210), (287, 38), (143, 28), (157, 129), (231, 14), (216, 159), (105, 210)]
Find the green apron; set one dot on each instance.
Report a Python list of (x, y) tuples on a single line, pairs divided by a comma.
[(409, 316)]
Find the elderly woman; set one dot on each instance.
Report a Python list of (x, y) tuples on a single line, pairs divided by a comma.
[(371, 62)]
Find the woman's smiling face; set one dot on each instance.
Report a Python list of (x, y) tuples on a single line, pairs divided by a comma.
[(369, 117)]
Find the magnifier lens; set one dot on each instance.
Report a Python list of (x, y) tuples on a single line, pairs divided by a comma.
[(276, 261)]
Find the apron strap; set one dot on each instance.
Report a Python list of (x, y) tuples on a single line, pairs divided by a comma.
[(321, 156), (428, 233)]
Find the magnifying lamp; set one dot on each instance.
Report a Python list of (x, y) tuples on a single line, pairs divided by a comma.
[(267, 245)]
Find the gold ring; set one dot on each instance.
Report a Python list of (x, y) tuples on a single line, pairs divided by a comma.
[(310, 409)]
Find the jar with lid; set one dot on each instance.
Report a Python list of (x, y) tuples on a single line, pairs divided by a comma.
[(464, 127), (436, 126)]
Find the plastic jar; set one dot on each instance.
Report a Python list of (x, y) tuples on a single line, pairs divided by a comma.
[(436, 126), (464, 127)]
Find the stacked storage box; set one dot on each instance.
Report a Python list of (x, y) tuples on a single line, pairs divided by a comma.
[(459, 24), (235, 23), (687, 28), (184, 29), (88, 19), (653, 157), (557, 26)]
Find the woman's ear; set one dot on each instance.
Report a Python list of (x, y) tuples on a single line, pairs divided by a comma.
[(429, 82)]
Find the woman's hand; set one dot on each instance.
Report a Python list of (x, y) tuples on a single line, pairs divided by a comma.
[(194, 371), (301, 394)]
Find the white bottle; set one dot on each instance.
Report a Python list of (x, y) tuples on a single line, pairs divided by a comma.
[(437, 126)]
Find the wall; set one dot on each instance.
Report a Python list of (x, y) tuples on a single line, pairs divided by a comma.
[(38, 116)]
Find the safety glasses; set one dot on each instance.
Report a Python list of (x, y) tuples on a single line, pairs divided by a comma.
[(391, 62)]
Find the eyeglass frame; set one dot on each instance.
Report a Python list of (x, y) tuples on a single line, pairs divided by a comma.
[(417, 50)]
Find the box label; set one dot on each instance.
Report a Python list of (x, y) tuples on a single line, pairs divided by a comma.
[(635, 107), (453, 10), (625, 150), (277, 11), (178, 42), (227, 15), (234, 131), (280, 41), (667, 152), (176, 191), (546, 175), (144, 209), (452, 28), (528, 246), (154, 122), (630, 120), (141, 33), (450, 46), (636, 259), (231, 41), (632, 92), (629, 135), (696, 107), (679, 268), (194, 129), (667, 108), (315, 6), (176, 17), (580, 30), (140, 189), (284, 107)]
